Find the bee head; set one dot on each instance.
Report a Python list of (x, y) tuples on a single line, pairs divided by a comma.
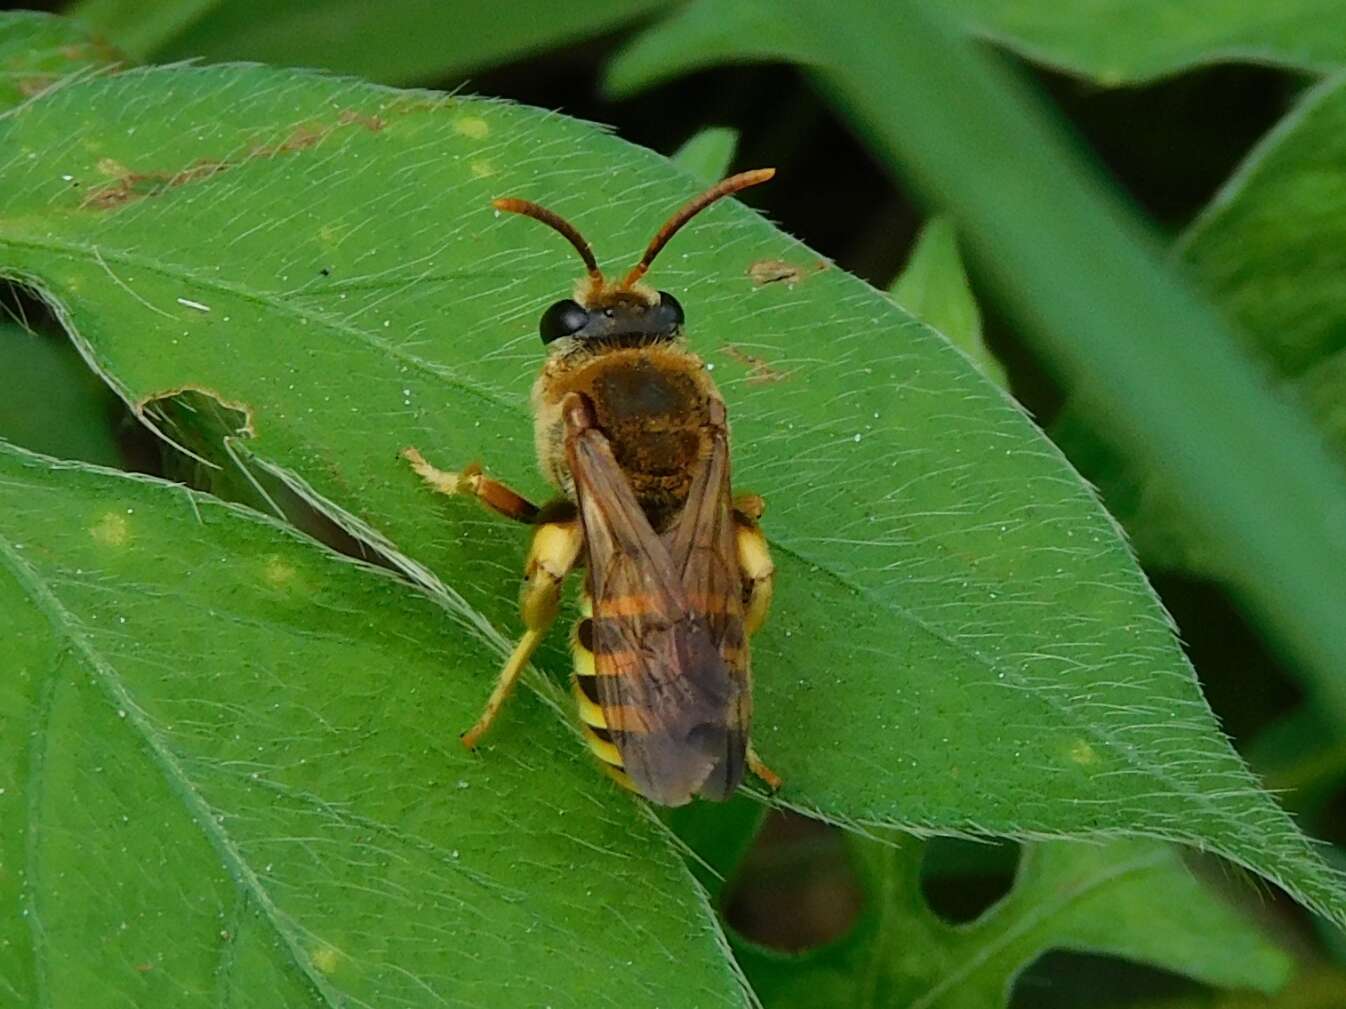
[(604, 315), (614, 318)]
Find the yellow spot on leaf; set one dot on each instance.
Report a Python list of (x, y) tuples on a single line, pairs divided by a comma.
[(473, 127), (325, 958), (1082, 753), (482, 168), (112, 530), (277, 572)]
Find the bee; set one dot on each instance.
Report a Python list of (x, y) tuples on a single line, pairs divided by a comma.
[(632, 432)]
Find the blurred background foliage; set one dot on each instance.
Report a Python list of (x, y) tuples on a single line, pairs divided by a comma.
[(1219, 124)]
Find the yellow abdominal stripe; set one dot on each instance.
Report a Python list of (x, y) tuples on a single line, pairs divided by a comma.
[(591, 714), (604, 750), (583, 658)]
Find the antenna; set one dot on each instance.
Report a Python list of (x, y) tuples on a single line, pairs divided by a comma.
[(685, 213), (556, 221)]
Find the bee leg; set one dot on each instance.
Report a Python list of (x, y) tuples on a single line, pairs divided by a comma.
[(472, 482), (758, 572), (754, 562), (758, 575), (755, 765), (554, 552), (750, 506)]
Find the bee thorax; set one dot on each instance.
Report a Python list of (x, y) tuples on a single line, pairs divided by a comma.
[(652, 404)]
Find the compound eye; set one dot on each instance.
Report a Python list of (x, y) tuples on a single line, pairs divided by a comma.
[(670, 312), (562, 319)]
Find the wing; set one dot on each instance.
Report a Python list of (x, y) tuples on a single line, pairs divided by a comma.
[(703, 547), (665, 690)]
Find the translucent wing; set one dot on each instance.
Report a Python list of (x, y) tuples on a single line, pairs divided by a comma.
[(666, 691), (702, 545)]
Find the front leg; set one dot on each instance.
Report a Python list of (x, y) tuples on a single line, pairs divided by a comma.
[(473, 483)]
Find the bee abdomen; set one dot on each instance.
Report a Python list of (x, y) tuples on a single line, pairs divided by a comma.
[(584, 686)]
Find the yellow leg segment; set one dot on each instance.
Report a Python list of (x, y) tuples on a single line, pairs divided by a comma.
[(555, 549), (518, 659), (757, 569), (758, 572), (768, 776)]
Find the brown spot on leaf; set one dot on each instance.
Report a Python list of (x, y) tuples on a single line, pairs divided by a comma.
[(759, 371), (129, 185), (303, 137), (775, 271), (372, 123), (137, 185)]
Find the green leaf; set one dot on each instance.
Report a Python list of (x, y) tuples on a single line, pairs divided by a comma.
[(716, 837), (1314, 988), (1270, 251), (38, 50), (703, 34), (1077, 271), (1131, 41), (229, 776), (1131, 899), (1303, 757), (141, 26), (396, 41), (708, 154), (1271, 248), (1113, 42), (934, 287), (961, 640)]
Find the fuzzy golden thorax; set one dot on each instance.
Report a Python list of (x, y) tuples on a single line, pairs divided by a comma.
[(651, 397)]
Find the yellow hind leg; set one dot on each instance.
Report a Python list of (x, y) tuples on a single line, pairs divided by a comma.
[(754, 562), (758, 572), (555, 549)]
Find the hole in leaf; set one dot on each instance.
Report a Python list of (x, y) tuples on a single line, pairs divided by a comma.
[(1060, 979), (53, 403), (961, 880), (208, 452), (56, 404), (796, 888)]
